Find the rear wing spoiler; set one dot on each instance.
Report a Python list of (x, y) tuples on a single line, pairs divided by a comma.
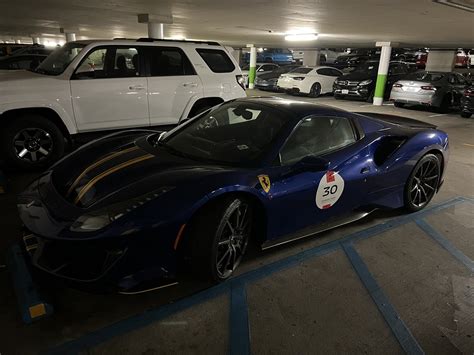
[(397, 120)]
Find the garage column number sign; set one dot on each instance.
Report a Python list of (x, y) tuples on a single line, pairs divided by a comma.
[(330, 190)]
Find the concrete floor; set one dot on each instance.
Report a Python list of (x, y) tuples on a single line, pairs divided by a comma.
[(381, 285)]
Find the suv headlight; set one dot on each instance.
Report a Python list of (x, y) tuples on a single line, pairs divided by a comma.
[(365, 82), (98, 219)]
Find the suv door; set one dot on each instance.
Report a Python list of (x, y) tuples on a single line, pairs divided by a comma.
[(172, 84), (319, 195), (108, 89)]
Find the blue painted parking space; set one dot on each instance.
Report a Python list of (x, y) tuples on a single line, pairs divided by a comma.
[(239, 330)]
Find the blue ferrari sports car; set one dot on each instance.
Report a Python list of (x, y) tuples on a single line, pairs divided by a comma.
[(137, 209)]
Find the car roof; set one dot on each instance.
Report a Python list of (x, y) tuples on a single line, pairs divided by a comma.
[(298, 109)]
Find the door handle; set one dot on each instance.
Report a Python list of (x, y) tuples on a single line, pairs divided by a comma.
[(365, 170), (136, 87), (193, 85)]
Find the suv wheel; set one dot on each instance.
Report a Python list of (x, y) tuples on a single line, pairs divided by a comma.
[(466, 114), (32, 142)]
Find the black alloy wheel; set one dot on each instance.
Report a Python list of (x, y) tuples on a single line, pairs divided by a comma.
[(220, 238), (315, 90), (423, 182)]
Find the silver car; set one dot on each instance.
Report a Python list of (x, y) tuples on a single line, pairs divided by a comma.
[(435, 89)]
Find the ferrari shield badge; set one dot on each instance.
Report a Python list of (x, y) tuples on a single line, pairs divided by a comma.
[(265, 182)]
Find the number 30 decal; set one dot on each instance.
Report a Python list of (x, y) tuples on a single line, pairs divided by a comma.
[(331, 187)]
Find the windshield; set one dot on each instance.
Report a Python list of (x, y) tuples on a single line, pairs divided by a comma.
[(424, 76), (60, 59), (234, 133), (368, 67)]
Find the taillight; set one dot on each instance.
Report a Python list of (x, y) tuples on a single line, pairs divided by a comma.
[(429, 87), (469, 93), (397, 85), (298, 78), (240, 80)]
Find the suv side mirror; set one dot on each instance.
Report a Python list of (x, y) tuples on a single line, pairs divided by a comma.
[(311, 163)]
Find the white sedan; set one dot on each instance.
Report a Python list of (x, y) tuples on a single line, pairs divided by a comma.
[(312, 81)]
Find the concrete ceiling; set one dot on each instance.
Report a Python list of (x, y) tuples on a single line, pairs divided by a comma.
[(353, 23)]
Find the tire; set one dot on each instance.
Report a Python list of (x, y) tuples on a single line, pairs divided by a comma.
[(422, 183), (315, 90), (445, 104), (213, 242), (32, 142), (398, 104), (466, 114), (370, 98)]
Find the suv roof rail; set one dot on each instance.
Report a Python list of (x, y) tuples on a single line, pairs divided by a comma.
[(211, 43)]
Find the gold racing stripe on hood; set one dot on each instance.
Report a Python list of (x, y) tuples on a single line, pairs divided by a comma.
[(98, 163), (106, 173)]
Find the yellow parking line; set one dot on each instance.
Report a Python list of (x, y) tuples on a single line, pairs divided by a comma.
[(469, 145)]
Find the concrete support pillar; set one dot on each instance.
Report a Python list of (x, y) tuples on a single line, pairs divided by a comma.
[(70, 37), (252, 67), (382, 73), (311, 57), (441, 60), (35, 40), (17, 41), (155, 30)]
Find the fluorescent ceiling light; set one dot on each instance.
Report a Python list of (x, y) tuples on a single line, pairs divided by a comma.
[(301, 37), (466, 5)]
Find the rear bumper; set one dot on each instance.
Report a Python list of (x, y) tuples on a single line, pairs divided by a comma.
[(413, 98)]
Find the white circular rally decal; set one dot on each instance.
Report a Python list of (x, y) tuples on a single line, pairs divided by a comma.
[(330, 189)]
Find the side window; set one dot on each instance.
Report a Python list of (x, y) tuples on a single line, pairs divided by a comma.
[(217, 60), (397, 69), (335, 72), (93, 65), (169, 61), (324, 71), (109, 62), (462, 80), (452, 79), (317, 136)]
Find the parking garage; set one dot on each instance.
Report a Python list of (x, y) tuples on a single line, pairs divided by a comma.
[(205, 177)]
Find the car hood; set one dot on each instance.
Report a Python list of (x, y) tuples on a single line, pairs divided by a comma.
[(110, 173), (18, 75)]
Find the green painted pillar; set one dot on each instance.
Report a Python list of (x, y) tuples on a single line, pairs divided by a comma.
[(382, 72), (252, 67)]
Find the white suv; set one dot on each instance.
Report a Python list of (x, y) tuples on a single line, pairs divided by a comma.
[(91, 86)]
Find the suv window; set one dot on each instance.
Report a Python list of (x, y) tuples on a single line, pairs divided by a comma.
[(317, 136), (217, 60), (169, 61), (110, 62), (267, 67), (396, 69)]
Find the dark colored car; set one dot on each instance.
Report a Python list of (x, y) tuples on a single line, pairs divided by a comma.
[(440, 90), (348, 61), (268, 81), (128, 211), (467, 102), (360, 83), (21, 61)]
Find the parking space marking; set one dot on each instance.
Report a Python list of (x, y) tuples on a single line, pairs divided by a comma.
[(438, 115), (446, 244), (400, 330), (468, 145), (141, 320), (239, 343)]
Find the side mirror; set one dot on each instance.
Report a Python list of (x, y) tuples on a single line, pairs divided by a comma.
[(311, 163)]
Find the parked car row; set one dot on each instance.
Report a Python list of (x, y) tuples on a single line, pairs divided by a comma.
[(404, 86)]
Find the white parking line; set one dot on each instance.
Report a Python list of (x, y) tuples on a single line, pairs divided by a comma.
[(389, 104), (438, 115), (366, 105)]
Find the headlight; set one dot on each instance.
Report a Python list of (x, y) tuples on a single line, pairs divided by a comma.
[(365, 82), (98, 219)]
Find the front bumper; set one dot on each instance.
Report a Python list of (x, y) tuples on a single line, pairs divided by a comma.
[(355, 91)]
